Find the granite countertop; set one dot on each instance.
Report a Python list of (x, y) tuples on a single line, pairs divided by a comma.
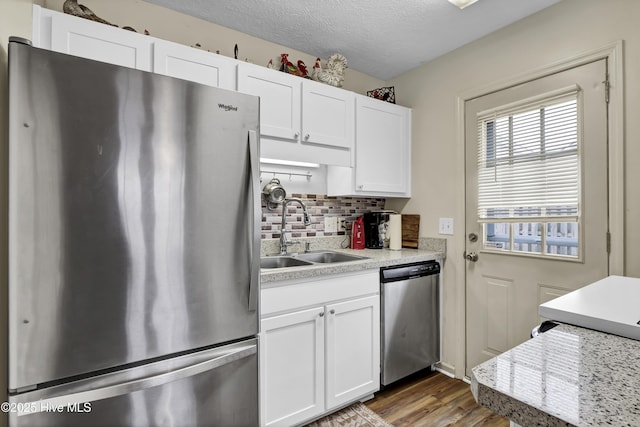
[(430, 249), (567, 376)]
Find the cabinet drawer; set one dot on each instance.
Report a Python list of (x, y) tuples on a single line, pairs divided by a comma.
[(297, 294)]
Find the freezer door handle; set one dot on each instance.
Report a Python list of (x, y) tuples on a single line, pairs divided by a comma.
[(137, 384), (254, 160)]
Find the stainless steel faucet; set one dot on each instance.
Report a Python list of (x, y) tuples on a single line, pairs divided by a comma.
[(283, 239)]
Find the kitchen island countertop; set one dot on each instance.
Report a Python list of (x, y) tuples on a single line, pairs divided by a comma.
[(567, 376), (376, 258)]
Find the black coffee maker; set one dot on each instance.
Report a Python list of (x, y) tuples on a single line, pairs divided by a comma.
[(373, 238)]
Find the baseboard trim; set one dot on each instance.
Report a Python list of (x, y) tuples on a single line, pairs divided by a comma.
[(446, 369)]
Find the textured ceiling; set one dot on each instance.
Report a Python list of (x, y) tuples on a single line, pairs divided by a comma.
[(382, 38)]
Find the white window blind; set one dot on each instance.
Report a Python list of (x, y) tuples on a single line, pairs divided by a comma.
[(528, 160)]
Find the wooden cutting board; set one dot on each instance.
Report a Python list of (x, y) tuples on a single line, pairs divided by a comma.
[(410, 231)]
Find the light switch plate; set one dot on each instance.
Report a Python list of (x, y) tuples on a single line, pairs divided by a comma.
[(330, 224), (446, 226)]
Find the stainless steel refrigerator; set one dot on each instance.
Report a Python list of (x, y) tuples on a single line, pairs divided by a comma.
[(134, 247)]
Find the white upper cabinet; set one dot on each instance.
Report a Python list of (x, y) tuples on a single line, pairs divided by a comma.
[(327, 115), (80, 37), (176, 60), (300, 120), (366, 143), (382, 153), (76, 36), (279, 100)]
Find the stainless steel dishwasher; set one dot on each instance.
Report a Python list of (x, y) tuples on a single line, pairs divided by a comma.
[(410, 319)]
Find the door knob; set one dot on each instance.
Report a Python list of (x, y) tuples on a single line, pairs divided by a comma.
[(471, 256)]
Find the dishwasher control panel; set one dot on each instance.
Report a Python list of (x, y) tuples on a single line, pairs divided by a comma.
[(409, 271)]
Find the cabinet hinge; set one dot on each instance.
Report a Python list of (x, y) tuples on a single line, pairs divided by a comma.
[(608, 242), (607, 89)]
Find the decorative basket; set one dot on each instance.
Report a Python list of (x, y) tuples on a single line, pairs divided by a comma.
[(384, 93)]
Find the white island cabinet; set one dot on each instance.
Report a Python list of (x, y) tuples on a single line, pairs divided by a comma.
[(319, 346)]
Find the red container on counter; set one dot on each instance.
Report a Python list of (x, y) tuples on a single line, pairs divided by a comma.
[(357, 234)]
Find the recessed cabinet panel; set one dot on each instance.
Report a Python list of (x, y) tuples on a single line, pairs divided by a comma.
[(279, 99), (292, 367), (100, 42), (327, 115), (382, 153), (382, 158), (353, 350), (175, 60)]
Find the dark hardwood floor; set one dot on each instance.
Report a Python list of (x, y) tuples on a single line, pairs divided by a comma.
[(434, 400)]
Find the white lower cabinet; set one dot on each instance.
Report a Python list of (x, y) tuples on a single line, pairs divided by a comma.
[(319, 346), (352, 350)]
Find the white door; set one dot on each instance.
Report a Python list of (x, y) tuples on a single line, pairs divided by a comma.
[(531, 239), (292, 367), (172, 59), (353, 350)]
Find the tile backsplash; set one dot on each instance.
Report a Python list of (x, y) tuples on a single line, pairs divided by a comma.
[(318, 206)]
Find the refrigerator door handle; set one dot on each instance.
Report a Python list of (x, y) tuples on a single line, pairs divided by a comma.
[(254, 160), (136, 385)]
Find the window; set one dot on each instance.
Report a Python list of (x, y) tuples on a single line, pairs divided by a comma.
[(529, 176)]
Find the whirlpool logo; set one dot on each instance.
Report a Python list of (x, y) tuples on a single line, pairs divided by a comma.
[(227, 107)]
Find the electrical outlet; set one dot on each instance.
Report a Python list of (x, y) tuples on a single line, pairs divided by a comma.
[(330, 224), (341, 224), (446, 226)]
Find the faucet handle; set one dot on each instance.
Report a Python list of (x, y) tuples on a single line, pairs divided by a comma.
[(307, 246)]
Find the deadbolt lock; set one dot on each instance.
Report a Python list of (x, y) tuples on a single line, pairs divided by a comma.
[(473, 237)]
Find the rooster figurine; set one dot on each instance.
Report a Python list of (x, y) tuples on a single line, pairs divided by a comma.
[(286, 65), (317, 67), (302, 69), (73, 8)]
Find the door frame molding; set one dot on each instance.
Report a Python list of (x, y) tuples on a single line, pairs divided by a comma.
[(614, 53)]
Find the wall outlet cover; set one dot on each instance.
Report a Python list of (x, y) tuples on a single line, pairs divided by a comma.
[(330, 224), (445, 226)]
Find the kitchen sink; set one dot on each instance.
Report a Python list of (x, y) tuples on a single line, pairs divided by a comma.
[(325, 257), (306, 259), (281, 262)]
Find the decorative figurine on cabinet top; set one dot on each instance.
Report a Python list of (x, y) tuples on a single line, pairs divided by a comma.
[(333, 73)]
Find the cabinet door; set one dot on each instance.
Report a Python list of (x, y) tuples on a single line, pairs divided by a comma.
[(353, 350), (100, 42), (327, 115), (279, 100), (383, 147), (196, 65), (292, 367)]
